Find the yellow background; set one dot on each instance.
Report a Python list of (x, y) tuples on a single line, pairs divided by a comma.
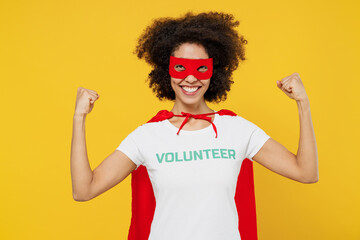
[(50, 48)]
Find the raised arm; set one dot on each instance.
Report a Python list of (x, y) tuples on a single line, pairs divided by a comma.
[(302, 167), (87, 184)]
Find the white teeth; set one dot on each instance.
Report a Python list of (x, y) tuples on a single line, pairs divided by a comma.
[(190, 90)]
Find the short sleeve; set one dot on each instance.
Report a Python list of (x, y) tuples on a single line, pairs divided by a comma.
[(257, 139), (129, 147)]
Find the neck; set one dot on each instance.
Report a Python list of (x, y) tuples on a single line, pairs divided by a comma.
[(197, 108)]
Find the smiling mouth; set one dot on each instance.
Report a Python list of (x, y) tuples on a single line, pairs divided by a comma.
[(190, 90)]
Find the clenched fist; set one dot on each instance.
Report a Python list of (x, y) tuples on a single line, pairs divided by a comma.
[(293, 87), (85, 100)]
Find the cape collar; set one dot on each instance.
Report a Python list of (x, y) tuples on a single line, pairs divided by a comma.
[(165, 114)]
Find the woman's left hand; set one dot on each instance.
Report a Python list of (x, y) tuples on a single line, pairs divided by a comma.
[(293, 87)]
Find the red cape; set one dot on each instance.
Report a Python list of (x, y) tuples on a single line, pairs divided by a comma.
[(143, 199)]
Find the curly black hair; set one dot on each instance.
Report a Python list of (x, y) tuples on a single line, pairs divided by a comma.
[(213, 30)]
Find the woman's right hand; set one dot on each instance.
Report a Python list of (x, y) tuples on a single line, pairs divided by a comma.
[(85, 100)]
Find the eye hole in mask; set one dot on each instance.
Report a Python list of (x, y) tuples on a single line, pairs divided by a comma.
[(181, 68)]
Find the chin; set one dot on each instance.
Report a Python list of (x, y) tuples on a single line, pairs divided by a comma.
[(190, 99)]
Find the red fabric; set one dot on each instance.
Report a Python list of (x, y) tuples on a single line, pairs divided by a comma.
[(196, 116), (191, 67), (143, 199)]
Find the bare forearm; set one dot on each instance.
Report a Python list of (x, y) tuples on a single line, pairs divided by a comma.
[(307, 157), (81, 173)]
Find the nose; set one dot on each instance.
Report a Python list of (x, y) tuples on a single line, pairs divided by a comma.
[(191, 79)]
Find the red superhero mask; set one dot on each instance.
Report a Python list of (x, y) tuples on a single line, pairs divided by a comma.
[(191, 67)]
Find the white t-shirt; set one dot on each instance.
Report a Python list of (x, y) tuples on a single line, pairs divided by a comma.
[(194, 175)]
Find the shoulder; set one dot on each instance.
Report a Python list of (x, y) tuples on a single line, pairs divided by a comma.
[(161, 115), (148, 128), (228, 116), (234, 120)]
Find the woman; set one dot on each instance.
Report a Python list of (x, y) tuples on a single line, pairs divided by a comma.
[(192, 153)]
